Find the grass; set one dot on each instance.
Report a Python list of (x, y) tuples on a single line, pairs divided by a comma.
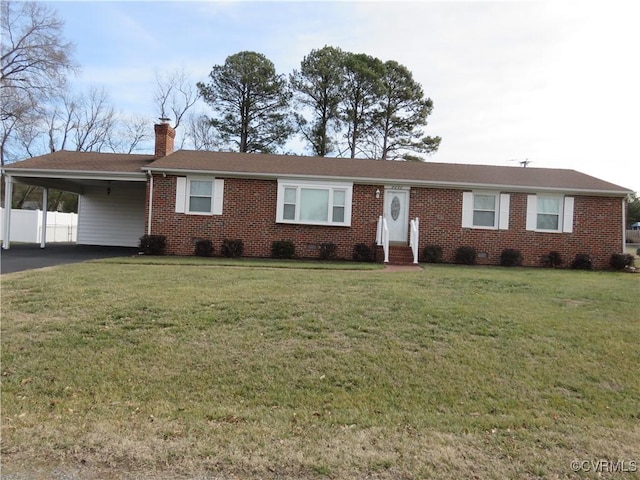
[(242, 262), (169, 371), (632, 249)]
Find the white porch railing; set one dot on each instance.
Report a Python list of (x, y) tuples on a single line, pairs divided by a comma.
[(382, 237), (414, 238)]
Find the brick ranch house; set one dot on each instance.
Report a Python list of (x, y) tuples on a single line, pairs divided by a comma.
[(260, 198)]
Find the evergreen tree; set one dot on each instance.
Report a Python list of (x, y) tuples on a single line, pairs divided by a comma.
[(633, 210), (361, 90), (401, 113), (251, 103), (317, 87)]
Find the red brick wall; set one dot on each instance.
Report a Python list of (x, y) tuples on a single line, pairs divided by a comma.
[(597, 229), (249, 213)]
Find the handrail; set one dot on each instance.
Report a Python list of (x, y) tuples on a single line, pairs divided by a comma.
[(414, 238), (383, 237)]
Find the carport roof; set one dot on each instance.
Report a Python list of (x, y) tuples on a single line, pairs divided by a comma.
[(65, 161)]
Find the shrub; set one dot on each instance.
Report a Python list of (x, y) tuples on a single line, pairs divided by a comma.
[(638, 251), (465, 256), (362, 253), (620, 261), (582, 261), (328, 251), (153, 244), (510, 257), (283, 249), (552, 260), (432, 254), (232, 248), (204, 248)]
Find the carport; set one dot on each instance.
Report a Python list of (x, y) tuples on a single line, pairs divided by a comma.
[(111, 192)]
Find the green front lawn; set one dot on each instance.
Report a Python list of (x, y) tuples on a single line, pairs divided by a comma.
[(447, 372)]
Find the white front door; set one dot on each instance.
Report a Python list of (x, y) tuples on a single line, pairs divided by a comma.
[(396, 211)]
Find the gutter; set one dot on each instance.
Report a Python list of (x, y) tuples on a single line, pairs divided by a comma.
[(75, 174)]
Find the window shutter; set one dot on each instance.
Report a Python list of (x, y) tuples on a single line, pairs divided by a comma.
[(181, 194), (567, 221), (218, 194), (503, 222), (467, 209), (532, 212)]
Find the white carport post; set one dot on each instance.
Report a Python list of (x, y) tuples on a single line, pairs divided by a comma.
[(43, 229), (8, 196)]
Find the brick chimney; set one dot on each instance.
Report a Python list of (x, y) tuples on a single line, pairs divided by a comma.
[(165, 135)]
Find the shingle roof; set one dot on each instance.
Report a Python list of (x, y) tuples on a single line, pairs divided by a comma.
[(357, 170), (427, 173), (84, 162)]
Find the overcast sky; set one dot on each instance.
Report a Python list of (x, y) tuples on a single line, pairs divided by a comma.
[(554, 82)]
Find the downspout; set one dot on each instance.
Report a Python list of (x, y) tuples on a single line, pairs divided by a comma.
[(8, 197), (624, 223), (150, 202), (43, 229)]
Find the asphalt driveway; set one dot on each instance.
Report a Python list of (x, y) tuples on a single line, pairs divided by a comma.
[(30, 256)]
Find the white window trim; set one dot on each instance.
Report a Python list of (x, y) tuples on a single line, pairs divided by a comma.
[(347, 187), (501, 218), (183, 189), (565, 214)]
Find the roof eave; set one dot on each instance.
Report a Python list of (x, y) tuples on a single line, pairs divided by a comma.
[(398, 181), (75, 174)]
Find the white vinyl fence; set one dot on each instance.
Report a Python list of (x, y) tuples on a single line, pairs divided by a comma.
[(633, 236), (26, 226)]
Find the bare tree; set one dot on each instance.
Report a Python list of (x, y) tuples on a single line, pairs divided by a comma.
[(34, 63), (61, 122), (174, 95), (95, 121), (128, 134), (8, 125), (200, 132), (35, 58), (85, 123)]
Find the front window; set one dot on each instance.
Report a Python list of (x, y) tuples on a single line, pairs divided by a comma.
[(314, 203), (548, 213), (484, 210), (200, 196), (339, 197), (289, 208)]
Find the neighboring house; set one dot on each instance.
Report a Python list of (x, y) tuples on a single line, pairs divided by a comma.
[(260, 198)]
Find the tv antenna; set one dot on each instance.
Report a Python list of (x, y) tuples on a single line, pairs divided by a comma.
[(523, 163)]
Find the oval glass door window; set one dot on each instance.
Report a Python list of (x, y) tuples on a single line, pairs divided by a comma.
[(395, 208)]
